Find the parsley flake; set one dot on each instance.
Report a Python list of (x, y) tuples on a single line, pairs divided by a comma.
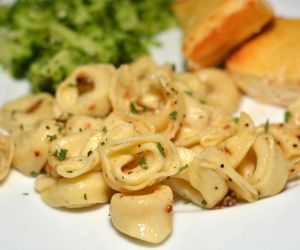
[(287, 116), (33, 174), (189, 93), (13, 113), (85, 197), (266, 127), (174, 90), (104, 129), (204, 203), (161, 149), (133, 108), (143, 163), (52, 137), (60, 155), (236, 120), (183, 167), (173, 115)]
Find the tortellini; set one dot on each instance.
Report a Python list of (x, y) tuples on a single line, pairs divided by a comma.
[(74, 154), (135, 163), (32, 146), (145, 215), (6, 155), (154, 97), (85, 91), (82, 191), (22, 113)]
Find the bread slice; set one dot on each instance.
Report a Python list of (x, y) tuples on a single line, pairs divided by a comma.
[(212, 28), (268, 66)]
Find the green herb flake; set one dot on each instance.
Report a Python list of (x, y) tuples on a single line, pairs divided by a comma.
[(102, 143), (13, 113), (183, 167), (189, 93), (104, 129), (60, 155), (204, 203), (186, 201), (236, 120), (21, 126), (85, 197), (59, 128), (70, 171), (33, 174), (25, 194), (266, 126), (89, 153), (173, 115), (174, 90), (52, 137), (161, 149), (143, 163), (287, 116), (203, 102), (133, 108)]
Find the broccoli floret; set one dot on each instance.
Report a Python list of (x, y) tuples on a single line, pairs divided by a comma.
[(17, 52), (31, 15), (46, 39), (48, 71), (4, 15), (98, 52)]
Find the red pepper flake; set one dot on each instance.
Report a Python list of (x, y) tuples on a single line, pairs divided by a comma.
[(37, 153), (169, 208), (126, 169), (92, 106), (48, 168), (87, 125), (227, 126), (127, 94)]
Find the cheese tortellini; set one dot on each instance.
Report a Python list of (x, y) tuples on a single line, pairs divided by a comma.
[(135, 135), (135, 163), (145, 215)]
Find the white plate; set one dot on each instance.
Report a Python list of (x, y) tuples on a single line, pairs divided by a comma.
[(27, 223)]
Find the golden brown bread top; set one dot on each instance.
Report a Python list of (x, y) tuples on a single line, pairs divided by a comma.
[(212, 28), (272, 54)]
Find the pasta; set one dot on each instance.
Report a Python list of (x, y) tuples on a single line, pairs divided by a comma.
[(154, 97), (132, 164), (146, 215), (22, 113), (82, 191), (6, 155), (85, 91), (134, 136)]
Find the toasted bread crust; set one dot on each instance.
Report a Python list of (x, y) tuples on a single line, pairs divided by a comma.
[(208, 40), (268, 66)]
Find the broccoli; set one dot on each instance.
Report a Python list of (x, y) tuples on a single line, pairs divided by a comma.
[(17, 52), (45, 40), (4, 15), (48, 71)]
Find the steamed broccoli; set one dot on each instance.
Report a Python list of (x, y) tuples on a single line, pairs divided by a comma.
[(16, 52), (45, 39), (47, 72)]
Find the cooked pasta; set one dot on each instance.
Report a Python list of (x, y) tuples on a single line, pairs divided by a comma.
[(22, 113), (135, 135), (82, 191), (135, 163), (145, 215), (85, 91), (6, 155)]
